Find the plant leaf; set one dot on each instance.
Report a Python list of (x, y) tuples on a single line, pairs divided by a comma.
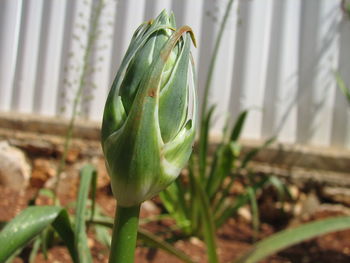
[(289, 237), (251, 154), (203, 142), (152, 240), (238, 127), (208, 222), (342, 86), (87, 177), (30, 223)]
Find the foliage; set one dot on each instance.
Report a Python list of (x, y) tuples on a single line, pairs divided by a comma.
[(92, 37), (182, 199), (342, 86), (201, 201), (28, 227), (289, 237)]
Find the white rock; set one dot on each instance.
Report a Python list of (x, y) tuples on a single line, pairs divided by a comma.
[(14, 169)]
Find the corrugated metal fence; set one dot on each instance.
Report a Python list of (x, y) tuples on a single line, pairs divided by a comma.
[(277, 57)]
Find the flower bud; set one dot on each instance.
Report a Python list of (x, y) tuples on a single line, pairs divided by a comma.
[(149, 118)]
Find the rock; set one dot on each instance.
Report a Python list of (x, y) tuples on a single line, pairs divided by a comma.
[(245, 213), (14, 168), (337, 194), (43, 169), (72, 155)]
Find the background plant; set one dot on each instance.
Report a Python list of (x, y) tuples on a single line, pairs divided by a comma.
[(82, 84), (28, 227), (201, 201)]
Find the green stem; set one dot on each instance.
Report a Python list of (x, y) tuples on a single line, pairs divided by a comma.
[(124, 234), (203, 132), (85, 71)]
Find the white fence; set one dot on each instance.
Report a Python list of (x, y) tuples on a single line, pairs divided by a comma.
[(277, 57)]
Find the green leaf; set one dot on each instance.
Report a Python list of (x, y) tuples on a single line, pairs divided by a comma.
[(203, 142), (152, 240), (342, 86), (35, 250), (174, 202), (103, 236), (238, 127), (282, 191), (224, 212), (221, 167), (289, 237), (251, 154), (207, 221), (87, 177), (30, 223), (255, 210)]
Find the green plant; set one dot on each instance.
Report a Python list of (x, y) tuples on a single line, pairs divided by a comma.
[(28, 227), (226, 166), (289, 237), (342, 86), (148, 124), (201, 201), (91, 40), (164, 91), (345, 5)]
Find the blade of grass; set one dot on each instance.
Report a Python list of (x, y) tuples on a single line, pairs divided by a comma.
[(222, 213), (35, 250), (103, 236), (255, 211), (342, 86), (224, 157), (238, 127), (174, 206), (289, 237), (213, 61), (220, 169), (203, 143), (208, 222), (30, 223), (87, 178), (251, 154), (152, 240), (195, 209)]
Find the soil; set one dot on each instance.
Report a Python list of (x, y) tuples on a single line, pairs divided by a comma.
[(233, 238)]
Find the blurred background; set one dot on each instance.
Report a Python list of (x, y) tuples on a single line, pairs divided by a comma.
[(279, 59)]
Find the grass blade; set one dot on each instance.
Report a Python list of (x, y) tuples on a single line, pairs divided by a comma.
[(238, 127), (152, 240), (35, 250), (250, 155), (208, 223), (255, 211), (203, 142), (103, 236), (30, 223), (221, 167), (289, 237), (224, 212), (342, 86), (87, 178)]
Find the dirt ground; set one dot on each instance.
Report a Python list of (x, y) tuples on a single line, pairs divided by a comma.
[(233, 238)]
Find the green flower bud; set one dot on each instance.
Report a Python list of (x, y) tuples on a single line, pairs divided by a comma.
[(149, 118)]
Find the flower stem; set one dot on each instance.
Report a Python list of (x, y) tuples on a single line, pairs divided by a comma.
[(124, 234)]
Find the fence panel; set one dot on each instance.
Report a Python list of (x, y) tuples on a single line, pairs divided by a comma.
[(277, 58)]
